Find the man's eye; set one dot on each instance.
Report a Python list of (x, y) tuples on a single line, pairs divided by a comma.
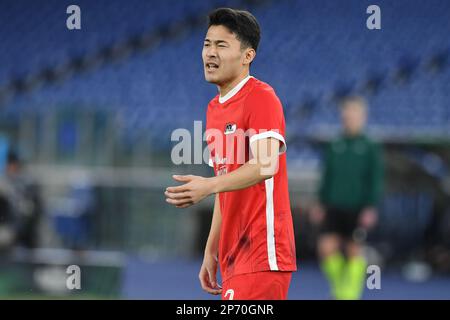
[(206, 45), (222, 46)]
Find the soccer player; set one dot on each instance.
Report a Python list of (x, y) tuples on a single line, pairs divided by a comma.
[(350, 189), (251, 235)]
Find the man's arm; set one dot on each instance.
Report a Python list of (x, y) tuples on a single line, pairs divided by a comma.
[(208, 270), (375, 180), (212, 245), (369, 215), (317, 211), (326, 173), (262, 167)]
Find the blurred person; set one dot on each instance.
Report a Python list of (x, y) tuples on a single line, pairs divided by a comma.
[(21, 204), (73, 214), (7, 229), (350, 189), (251, 234)]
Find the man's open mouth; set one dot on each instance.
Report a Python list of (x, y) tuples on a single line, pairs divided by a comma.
[(211, 66)]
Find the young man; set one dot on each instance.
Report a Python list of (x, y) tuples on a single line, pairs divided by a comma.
[(350, 189), (251, 234)]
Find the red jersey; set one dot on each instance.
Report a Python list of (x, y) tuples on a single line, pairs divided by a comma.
[(257, 231)]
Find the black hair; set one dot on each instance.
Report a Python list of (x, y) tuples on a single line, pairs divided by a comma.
[(242, 23)]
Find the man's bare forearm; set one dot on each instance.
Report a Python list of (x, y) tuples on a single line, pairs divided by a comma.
[(262, 167), (245, 176), (196, 188), (212, 245)]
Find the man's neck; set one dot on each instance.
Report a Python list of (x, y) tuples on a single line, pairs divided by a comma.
[(225, 88), (353, 134)]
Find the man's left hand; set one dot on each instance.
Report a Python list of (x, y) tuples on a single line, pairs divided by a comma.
[(194, 190)]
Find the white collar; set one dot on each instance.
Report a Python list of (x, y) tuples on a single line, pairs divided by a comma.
[(235, 90)]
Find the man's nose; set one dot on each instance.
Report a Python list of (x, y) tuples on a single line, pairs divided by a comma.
[(211, 52)]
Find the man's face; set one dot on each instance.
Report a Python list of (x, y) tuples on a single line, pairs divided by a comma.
[(223, 58), (353, 117)]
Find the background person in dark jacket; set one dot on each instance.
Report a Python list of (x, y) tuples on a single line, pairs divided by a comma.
[(20, 205), (350, 188)]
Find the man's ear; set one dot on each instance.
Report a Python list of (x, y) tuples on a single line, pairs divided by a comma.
[(249, 55)]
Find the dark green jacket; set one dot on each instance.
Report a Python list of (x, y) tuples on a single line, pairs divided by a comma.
[(353, 173)]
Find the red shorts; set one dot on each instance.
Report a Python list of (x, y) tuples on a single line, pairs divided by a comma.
[(266, 285)]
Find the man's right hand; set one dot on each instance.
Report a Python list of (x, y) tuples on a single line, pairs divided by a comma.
[(208, 273)]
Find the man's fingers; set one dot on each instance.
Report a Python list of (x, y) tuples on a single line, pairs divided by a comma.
[(205, 283), (212, 279), (185, 205), (180, 178), (183, 187), (177, 196), (215, 291), (215, 288), (179, 202), (178, 189)]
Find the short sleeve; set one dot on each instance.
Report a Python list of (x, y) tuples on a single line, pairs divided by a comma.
[(264, 116)]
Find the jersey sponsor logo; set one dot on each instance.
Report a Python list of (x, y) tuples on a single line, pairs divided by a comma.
[(222, 171), (230, 128), (221, 164)]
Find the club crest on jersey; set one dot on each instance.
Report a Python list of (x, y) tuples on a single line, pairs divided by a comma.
[(230, 128)]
